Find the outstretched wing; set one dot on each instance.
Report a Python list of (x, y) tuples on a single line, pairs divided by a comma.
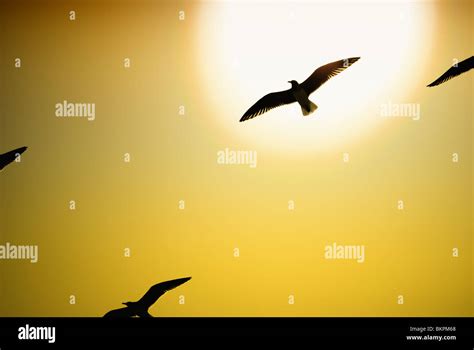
[(267, 102), (326, 72), (120, 313), (159, 289), (10, 157), (454, 71)]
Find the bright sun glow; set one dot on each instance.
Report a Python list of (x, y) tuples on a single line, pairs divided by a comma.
[(248, 50)]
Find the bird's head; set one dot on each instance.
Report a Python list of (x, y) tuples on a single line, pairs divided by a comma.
[(293, 83)]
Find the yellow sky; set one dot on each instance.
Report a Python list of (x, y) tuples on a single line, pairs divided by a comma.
[(216, 63)]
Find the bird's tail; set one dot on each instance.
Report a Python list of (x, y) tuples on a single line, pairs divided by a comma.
[(312, 108)]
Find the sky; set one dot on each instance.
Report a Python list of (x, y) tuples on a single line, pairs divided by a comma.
[(169, 81)]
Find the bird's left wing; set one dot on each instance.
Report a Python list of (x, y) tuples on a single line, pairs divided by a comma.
[(267, 102), (326, 72), (159, 289), (454, 71), (119, 313), (10, 157)]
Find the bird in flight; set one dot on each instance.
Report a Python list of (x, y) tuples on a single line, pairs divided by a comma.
[(454, 71), (10, 157), (140, 308), (299, 92)]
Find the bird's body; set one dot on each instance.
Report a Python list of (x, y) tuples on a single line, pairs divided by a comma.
[(10, 157), (124, 312), (140, 308), (454, 71), (300, 95), (299, 92)]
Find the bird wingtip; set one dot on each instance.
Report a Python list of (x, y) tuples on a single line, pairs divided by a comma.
[(20, 149), (352, 60)]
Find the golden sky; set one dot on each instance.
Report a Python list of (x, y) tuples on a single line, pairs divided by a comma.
[(215, 62)]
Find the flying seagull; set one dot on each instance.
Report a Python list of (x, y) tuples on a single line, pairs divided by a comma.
[(454, 71), (10, 157), (299, 92), (140, 308)]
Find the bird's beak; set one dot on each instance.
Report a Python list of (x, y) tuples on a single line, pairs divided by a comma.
[(289, 81), (124, 304)]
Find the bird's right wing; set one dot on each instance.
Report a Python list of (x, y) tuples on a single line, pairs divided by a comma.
[(159, 289), (326, 72), (454, 71), (119, 313), (10, 157), (267, 102)]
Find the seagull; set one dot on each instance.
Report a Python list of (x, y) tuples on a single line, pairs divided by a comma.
[(140, 308), (454, 71), (10, 157), (299, 92)]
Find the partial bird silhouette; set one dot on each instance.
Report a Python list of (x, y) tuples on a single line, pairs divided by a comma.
[(299, 92), (140, 308), (454, 71), (10, 157)]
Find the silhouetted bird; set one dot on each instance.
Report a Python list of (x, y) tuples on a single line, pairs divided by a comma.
[(140, 308), (454, 71), (299, 92), (10, 157)]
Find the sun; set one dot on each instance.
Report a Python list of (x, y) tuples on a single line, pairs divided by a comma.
[(246, 50)]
